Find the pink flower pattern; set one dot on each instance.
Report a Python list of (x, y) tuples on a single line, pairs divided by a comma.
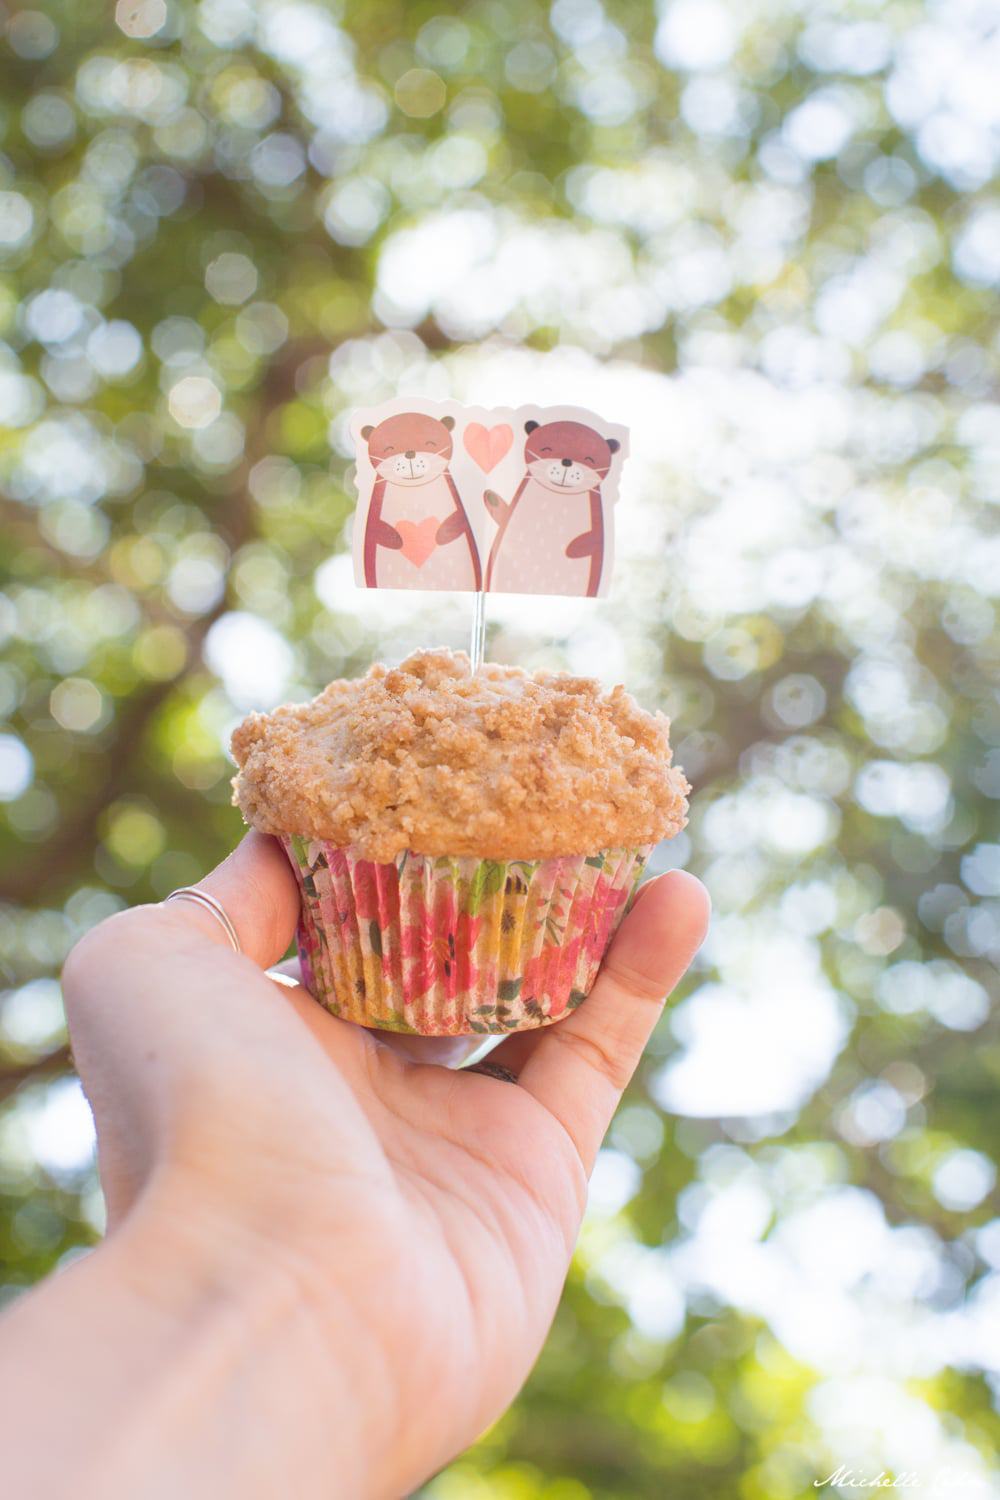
[(447, 947)]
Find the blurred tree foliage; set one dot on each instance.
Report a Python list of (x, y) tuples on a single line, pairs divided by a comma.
[(220, 225)]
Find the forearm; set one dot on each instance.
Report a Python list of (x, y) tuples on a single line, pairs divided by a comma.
[(150, 1369)]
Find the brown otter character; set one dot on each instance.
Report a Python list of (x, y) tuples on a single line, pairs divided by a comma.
[(417, 534), (551, 536)]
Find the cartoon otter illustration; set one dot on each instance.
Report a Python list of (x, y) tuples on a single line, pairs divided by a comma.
[(551, 536), (417, 534)]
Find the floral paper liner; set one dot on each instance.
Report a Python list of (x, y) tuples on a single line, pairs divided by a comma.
[(447, 946)]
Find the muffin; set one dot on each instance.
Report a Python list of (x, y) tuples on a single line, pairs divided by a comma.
[(466, 843)]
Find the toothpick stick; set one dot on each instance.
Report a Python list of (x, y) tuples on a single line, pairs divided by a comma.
[(477, 641)]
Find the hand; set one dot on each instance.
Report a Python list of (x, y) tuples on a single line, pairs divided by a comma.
[(497, 506), (388, 536), (451, 528), (583, 546), (424, 1217)]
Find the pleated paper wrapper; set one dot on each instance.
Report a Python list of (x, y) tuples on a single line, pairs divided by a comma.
[(449, 946)]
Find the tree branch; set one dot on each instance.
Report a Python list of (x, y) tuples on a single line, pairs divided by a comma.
[(43, 871), (13, 1075)]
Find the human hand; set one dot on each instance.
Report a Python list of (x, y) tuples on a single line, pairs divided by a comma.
[(423, 1217)]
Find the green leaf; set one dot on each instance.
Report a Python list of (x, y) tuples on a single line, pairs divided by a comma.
[(597, 860), (375, 937), (576, 997), (488, 879), (395, 1022), (300, 849), (509, 989)]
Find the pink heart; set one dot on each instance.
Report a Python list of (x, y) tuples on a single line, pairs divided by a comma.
[(419, 539), (488, 445)]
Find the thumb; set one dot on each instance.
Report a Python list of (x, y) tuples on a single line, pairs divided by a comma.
[(579, 1067)]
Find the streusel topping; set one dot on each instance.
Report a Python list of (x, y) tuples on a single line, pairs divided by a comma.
[(502, 764)]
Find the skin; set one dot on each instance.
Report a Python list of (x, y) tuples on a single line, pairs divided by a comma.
[(331, 1260)]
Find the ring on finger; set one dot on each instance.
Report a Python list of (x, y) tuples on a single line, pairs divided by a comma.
[(216, 908), (492, 1070)]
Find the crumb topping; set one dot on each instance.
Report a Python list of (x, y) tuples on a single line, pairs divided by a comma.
[(502, 764)]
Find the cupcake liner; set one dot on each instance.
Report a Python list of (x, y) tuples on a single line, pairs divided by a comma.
[(446, 946)]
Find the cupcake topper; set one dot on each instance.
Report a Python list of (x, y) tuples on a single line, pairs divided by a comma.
[(485, 501)]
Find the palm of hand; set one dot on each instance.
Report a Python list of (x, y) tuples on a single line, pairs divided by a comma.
[(427, 1214), (489, 1189), (449, 1200)]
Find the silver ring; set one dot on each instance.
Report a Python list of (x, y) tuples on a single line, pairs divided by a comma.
[(202, 898), (492, 1070)]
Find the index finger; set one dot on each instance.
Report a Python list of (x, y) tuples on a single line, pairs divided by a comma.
[(259, 893), (579, 1067)]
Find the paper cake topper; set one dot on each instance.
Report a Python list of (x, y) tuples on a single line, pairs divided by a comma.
[(498, 501)]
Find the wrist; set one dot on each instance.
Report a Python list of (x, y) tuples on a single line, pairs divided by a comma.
[(244, 1331), (170, 1373)]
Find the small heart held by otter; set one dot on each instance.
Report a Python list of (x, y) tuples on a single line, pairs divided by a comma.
[(419, 539)]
